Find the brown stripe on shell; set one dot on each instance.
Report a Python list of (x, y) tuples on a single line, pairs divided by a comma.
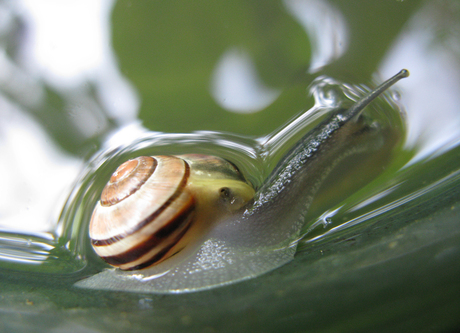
[(151, 218), (127, 179), (179, 224), (159, 256)]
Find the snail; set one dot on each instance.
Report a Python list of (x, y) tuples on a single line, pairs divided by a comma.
[(191, 222)]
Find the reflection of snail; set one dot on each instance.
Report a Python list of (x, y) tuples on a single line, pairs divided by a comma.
[(153, 207)]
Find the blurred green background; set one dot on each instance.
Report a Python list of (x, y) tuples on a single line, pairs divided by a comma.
[(399, 273)]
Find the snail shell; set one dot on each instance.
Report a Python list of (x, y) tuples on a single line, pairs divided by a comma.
[(153, 206)]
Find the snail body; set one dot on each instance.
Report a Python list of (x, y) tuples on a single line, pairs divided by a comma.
[(211, 197)]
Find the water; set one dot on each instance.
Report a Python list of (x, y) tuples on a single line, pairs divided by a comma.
[(394, 212)]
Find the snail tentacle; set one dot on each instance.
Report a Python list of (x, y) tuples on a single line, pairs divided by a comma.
[(358, 107)]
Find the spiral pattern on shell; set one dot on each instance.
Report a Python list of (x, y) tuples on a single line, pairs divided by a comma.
[(144, 211)]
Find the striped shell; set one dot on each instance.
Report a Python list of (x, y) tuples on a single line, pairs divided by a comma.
[(152, 207)]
